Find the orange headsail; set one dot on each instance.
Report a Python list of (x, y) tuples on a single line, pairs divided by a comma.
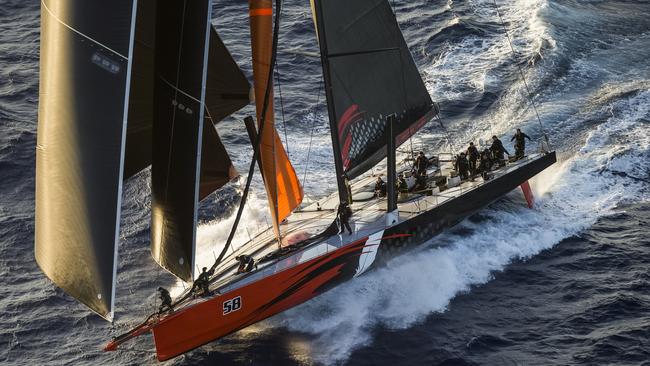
[(282, 186)]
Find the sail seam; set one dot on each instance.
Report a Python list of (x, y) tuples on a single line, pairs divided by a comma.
[(81, 34), (177, 89)]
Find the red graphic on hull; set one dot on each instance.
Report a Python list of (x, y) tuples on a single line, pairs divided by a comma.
[(202, 323)]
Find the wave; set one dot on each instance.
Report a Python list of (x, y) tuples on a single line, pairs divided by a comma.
[(571, 195)]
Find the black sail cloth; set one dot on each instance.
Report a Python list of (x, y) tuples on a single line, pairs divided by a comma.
[(370, 75), (182, 35), (140, 125), (227, 91), (97, 61), (175, 136), (84, 77)]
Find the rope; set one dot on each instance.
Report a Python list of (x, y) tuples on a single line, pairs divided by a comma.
[(521, 73), (284, 123), (311, 134), (451, 146)]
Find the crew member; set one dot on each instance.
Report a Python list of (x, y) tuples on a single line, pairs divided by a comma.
[(202, 283), (421, 164), (420, 182), (166, 301), (402, 186), (485, 164), (497, 149), (348, 187), (520, 143), (462, 166), (343, 215), (246, 263), (380, 187), (473, 156)]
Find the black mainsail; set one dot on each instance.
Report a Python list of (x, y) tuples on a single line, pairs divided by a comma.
[(86, 53), (182, 35), (369, 75)]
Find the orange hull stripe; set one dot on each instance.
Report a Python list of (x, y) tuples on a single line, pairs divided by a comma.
[(205, 322), (261, 12)]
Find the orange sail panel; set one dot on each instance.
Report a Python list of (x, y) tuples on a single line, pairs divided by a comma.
[(282, 186)]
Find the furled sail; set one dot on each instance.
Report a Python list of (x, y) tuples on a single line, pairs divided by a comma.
[(282, 186), (369, 75), (182, 35), (227, 91), (86, 50)]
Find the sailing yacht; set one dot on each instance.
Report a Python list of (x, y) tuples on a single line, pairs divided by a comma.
[(130, 84)]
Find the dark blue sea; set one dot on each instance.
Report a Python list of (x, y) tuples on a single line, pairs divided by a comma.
[(565, 283)]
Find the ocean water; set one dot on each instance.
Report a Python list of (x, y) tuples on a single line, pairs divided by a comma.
[(564, 283)]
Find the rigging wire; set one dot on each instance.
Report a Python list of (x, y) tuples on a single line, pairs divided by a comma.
[(311, 134), (258, 140), (444, 129), (521, 73), (284, 123)]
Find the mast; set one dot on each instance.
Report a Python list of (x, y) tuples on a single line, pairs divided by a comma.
[(336, 146), (391, 179)]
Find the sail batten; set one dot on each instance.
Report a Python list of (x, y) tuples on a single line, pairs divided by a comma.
[(369, 75)]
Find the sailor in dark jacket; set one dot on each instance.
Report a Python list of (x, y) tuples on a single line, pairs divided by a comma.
[(421, 163), (497, 149), (348, 187), (485, 164), (473, 156), (343, 214), (202, 283), (402, 185), (462, 166), (380, 187), (166, 301), (246, 263), (520, 143)]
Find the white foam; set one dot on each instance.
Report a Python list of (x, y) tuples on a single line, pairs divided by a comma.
[(572, 195)]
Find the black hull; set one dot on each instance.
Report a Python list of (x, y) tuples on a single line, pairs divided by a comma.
[(430, 223)]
